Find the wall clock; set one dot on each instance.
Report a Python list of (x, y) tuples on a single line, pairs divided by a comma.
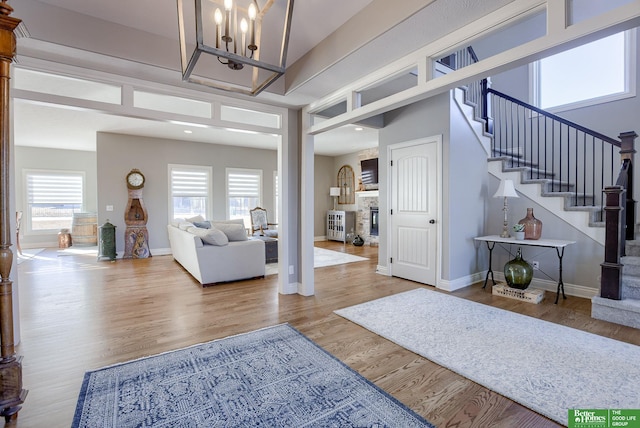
[(135, 179)]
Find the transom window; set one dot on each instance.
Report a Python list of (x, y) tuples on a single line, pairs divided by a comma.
[(597, 72), (244, 192), (51, 199), (189, 191)]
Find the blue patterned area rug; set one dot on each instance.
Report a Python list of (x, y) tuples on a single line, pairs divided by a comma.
[(546, 367), (274, 377)]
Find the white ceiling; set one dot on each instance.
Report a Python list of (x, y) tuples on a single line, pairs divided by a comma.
[(125, 31)]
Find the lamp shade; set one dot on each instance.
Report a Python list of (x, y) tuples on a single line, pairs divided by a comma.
[(506, 190), (334, 191)]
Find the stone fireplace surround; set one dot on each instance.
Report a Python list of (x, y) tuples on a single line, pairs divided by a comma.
[(366, 200)]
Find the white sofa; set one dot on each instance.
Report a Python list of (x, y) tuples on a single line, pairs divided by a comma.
[(211, 264)]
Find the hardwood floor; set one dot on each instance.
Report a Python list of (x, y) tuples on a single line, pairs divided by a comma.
[(79, 314)]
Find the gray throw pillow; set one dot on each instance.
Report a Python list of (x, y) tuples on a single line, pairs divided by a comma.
[(234, 231), (202, 224), (210, 236)]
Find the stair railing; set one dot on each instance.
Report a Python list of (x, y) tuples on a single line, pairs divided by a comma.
[(566, 157)]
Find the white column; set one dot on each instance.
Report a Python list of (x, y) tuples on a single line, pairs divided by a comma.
[(306, 287)]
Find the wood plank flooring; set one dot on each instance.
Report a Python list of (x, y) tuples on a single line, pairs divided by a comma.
[(79, 314)]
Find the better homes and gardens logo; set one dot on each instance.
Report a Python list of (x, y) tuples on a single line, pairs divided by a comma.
[(603, 418)]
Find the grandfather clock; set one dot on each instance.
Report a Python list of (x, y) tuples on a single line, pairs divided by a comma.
[(136, 236), (11, 393)]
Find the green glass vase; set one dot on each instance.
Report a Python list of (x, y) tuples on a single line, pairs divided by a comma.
[(518, 273)]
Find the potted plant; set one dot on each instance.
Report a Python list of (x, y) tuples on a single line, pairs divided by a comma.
[(518, 230)]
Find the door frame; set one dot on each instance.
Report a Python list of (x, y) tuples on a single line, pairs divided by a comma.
[(437, 140)]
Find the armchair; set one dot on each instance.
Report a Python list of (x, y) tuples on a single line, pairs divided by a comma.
[(260, 224)]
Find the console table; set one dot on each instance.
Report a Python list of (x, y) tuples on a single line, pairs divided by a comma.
[(559, 245)]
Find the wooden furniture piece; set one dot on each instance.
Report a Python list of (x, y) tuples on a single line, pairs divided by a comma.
[(340, 224), (559, 246), (270, 248), (136, 236), (11, 393), (260, 223)]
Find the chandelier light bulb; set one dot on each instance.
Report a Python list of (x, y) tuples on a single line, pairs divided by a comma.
[(252, 11), (228, 4), (244, 26), (217, 16)]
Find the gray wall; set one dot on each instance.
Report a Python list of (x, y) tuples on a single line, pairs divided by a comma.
[(324, 179), (118, 154), (53, 160)]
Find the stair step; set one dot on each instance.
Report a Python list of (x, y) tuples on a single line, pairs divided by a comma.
[(630, 287), (632, 248), (624, 312), (550, 186)]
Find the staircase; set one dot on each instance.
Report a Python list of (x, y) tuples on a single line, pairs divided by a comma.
[(627, 310), (565, 168)]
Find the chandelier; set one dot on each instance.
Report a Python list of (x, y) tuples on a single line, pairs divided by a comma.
[(247, 38)]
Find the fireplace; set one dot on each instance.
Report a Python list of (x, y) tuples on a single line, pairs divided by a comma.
[(373, 224)]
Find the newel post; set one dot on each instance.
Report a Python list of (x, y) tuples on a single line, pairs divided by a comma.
[(11, 393), (627, 152), (611, 268)]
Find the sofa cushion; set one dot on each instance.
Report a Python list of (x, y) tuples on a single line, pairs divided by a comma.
[(234, 231), (184, 225), (239, 221), (210, 236)]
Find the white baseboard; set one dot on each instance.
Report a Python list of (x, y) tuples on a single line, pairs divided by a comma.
[(319, 238), (459, 283), (382, 270), (291, 288)]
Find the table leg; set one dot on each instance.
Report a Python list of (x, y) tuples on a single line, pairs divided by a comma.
[(560, 252), (490, 246)]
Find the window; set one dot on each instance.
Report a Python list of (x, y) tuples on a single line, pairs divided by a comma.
[(597, 72), (52, 198), (244, 192), (190, 191)]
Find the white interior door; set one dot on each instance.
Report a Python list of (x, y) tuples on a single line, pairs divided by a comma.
[(414, 199)]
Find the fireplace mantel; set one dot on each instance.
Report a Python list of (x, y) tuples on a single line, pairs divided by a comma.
[(367, 194)]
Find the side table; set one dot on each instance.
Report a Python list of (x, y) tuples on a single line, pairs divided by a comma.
[(559, 245)]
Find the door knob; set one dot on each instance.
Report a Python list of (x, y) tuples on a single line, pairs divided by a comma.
[(432, 221)]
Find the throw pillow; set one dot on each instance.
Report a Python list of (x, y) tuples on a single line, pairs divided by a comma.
[(176, 221), (210, 236), (196, 218), (235, 232), (202, 224)]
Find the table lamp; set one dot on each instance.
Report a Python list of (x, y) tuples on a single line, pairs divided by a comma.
[(505, 190), (334, 192)]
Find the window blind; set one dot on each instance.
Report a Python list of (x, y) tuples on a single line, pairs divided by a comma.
[(54, 188), (189, 182)]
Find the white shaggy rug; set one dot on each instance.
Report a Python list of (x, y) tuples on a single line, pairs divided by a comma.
[(546, 367), (321, 258)]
